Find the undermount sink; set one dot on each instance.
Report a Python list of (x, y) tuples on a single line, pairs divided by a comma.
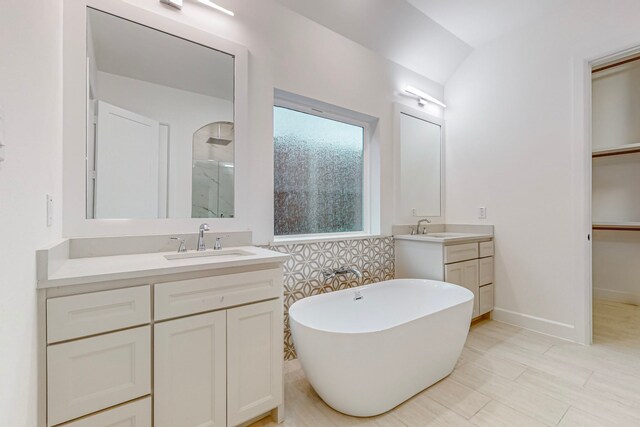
[(209, 253), (446, 234)]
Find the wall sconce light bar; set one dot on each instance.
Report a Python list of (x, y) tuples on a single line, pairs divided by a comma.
[(175, 3), (216, 7), (422, 96), (178, 5)]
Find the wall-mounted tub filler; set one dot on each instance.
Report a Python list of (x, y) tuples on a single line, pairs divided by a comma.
[(330, 273)]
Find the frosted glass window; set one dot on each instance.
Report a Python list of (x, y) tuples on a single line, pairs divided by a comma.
[(319, 166)]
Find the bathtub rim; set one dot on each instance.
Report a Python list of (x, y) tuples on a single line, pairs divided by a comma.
[(469, 298)]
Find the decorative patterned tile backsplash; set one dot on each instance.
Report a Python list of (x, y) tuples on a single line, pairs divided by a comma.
[(303, 277)]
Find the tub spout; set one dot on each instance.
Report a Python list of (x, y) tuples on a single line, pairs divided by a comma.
[(330, 273)]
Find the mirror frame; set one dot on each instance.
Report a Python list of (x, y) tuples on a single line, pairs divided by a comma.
[(402, 218), (75, 89)]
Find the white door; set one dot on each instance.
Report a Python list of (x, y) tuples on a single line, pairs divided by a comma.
[(127, 164), (465, 274), (254, 360), (190, 371)]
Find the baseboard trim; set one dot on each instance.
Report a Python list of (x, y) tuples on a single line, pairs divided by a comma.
[(536, 324), (617, 296)]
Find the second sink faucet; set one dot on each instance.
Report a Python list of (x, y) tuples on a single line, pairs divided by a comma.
[(420, 222), (201, 245)]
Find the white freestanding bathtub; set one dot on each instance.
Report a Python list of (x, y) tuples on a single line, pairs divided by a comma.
[(364, 356)]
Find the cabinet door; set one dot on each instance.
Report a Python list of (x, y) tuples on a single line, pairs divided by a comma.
[(465, 274), (486, 299), (95, 373), (486, 271), (190, 371), (255, 358)]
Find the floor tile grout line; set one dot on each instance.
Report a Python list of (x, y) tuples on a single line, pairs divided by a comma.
[(482, 407), (563, 415)]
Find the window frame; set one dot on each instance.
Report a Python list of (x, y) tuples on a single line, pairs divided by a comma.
[(340, 115)]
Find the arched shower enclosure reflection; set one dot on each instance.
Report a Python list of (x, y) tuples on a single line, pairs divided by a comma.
[(212, 175)]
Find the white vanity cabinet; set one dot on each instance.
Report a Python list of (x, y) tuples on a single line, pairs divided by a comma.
[(204, 349), (465, 274), (222, 367), (468, 264), (190, 373)]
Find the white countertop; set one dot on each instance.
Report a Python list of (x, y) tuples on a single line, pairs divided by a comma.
[(75, 271), (446, 237)]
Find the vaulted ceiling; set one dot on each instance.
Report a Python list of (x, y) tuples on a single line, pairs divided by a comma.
[(430, 37)]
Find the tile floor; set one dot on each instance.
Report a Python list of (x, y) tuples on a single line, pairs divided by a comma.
[(508, 376)]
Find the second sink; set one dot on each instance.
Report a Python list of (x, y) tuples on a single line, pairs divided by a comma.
[(209, 253)]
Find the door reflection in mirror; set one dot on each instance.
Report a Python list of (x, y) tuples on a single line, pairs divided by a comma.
[(152, 98)]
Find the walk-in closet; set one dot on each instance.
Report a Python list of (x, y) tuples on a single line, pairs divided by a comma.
[(616, 203)]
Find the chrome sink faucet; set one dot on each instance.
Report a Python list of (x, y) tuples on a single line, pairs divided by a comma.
[(183, 247), (201, 245), (217, 246), (420, 222)]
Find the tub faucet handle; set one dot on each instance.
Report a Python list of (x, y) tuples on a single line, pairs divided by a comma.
[(328, 273)]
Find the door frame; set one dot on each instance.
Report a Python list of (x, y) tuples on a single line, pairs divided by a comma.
[(582, 175)]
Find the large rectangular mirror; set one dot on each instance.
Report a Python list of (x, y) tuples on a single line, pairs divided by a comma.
[(160, 124), (420, 162)]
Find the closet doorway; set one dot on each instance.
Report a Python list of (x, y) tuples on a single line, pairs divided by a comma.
[(615, 210)]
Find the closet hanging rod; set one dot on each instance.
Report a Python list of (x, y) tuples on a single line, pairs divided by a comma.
[(617, 227), (615, 64)]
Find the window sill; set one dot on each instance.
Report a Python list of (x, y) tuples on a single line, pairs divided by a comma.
[(323, 238)]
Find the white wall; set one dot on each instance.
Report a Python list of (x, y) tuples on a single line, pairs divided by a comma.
[(293, 53), (184, 111), (515, 144), (30, 94)]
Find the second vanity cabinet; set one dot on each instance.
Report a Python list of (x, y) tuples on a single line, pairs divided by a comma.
[(199, 351), (468, 264)]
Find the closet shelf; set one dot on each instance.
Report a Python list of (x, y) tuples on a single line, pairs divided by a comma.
[(614, 151), (606, 225)]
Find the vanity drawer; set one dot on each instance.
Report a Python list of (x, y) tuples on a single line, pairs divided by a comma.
[(485, 271), (486, 249), (89, 314), (95, 373), (134, 414), (457, 253), (175, 299), (486, 299)]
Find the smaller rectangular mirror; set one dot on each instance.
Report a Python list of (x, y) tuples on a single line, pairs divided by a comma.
[(160, 124), (420, 167)]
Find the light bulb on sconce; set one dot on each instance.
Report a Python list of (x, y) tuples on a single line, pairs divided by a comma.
[(422, 96), (178, 5), (216, 7)]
